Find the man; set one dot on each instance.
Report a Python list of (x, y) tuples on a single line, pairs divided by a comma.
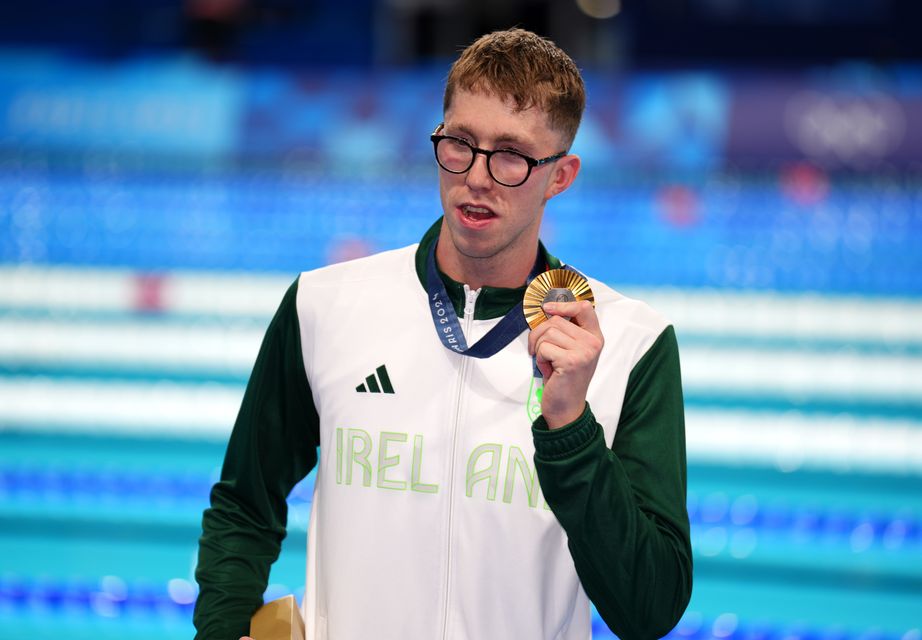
[(441, 508)]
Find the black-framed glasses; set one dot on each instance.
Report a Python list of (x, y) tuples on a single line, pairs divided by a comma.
[(506, 166)]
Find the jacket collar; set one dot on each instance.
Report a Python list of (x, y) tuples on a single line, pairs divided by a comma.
[(493, 302)]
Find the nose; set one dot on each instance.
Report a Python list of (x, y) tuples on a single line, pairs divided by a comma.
[(478, 176)]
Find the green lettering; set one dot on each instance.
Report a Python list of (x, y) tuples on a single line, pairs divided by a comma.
[(360, 456), (415, 484), (517, 460), (385, 462), (533, 403), (339, 455), (489, 473)]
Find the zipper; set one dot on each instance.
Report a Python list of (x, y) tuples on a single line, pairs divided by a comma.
[(470, 300)]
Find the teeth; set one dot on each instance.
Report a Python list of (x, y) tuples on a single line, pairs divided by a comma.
[(476, 209)]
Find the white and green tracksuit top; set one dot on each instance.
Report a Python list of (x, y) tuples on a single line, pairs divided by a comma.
[(440, 510)]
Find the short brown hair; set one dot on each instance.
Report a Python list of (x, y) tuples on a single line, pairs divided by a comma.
[(529, 69)]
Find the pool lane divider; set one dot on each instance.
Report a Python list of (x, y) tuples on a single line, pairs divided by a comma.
[(113, 597), (897, 530)]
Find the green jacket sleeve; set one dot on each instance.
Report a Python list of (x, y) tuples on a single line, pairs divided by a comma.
[(623, 508), (272, 447)]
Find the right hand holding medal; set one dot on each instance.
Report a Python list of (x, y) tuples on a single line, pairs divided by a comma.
[(566, 352)]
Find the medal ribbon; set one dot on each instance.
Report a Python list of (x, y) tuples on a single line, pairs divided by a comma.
[(448, 327)]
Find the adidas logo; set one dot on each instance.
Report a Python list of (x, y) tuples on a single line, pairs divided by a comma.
[(372, 385)]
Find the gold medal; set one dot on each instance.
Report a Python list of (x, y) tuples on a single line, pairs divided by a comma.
[(556, 285)]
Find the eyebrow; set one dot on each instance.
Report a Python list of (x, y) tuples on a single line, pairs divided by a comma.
[(506, 138)]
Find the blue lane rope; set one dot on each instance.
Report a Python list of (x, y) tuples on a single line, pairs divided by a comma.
[(114, 598), (705, 510)]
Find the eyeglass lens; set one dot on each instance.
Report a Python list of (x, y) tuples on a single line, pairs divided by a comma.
[(506, 167)]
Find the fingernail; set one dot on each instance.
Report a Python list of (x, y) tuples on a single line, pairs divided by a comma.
[(549, 306)]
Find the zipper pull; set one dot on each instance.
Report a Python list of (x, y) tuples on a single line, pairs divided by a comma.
[(470, 299)]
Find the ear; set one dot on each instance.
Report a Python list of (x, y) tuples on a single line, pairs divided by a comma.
[(565, 171)]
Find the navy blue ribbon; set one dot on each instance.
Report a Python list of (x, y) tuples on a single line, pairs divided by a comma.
[(448, 327)]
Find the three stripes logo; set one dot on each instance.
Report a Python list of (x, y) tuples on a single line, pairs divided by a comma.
[(378, 382)]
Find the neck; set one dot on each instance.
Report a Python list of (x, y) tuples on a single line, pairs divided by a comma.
[(499, 271)]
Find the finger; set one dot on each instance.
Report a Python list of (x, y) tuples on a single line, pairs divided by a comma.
[(564, 325), (582, 313), (568, 355), (536, 334), (545, 368), (560, 321), (567, 333), (550, 354), (566, 338), (560, 337), (553, 335)]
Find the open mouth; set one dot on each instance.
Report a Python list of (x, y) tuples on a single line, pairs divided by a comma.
[(476, 214)]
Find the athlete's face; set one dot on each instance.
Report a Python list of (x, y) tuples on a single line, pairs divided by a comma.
[(485, 220)]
